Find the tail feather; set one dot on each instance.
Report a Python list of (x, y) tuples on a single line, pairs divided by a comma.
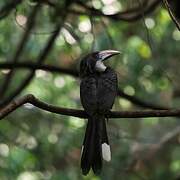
[(95, 146), (106, 151), (87, 149), (97, 158)]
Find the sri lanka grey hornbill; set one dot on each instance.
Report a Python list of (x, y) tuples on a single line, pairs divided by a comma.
[(97, 91)]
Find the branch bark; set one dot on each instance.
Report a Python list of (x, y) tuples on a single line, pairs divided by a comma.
[(80, 113)]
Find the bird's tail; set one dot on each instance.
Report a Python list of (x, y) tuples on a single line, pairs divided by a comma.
[(95, 146)]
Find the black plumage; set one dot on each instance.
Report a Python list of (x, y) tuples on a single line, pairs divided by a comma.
[(97, 91)]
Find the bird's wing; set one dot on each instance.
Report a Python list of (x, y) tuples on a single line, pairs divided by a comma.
[(88, 94), (107, 90)]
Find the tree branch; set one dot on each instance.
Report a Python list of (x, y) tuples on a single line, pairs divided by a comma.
[(80, 113), (129, 16), (75, 73), (144, 153), (150, 6), (41, 58), (139, 102), (33, 66), (19, 49), (171, 14)]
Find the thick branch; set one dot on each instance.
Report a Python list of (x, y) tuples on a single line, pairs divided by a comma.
[(80, 113), (36, 102)]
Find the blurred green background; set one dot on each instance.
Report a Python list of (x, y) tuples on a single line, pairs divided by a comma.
[(36, 145)]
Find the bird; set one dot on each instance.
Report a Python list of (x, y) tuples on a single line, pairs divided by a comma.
[(98, 89)]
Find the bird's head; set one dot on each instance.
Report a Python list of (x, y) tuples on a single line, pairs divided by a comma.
[(94, 62)]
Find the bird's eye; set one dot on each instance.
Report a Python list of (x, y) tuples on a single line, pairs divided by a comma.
[(98, 56)]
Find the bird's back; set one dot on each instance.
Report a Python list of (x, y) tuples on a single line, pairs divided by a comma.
[(107, 89), (98, 91)]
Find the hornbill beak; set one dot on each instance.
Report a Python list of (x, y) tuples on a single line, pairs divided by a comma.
[(106, 54)]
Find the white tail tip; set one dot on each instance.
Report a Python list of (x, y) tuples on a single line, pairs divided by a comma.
[(82, 150), (106, 152)]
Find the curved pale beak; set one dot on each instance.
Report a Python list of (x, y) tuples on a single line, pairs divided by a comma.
[(106, 54)]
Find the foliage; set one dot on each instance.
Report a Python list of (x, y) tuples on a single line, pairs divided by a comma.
[(35, 144)]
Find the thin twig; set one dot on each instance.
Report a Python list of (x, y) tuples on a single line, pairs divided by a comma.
[(171, 14), (110, 39), (152, 149), (93, 44), (34, 66), (139, 102)]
